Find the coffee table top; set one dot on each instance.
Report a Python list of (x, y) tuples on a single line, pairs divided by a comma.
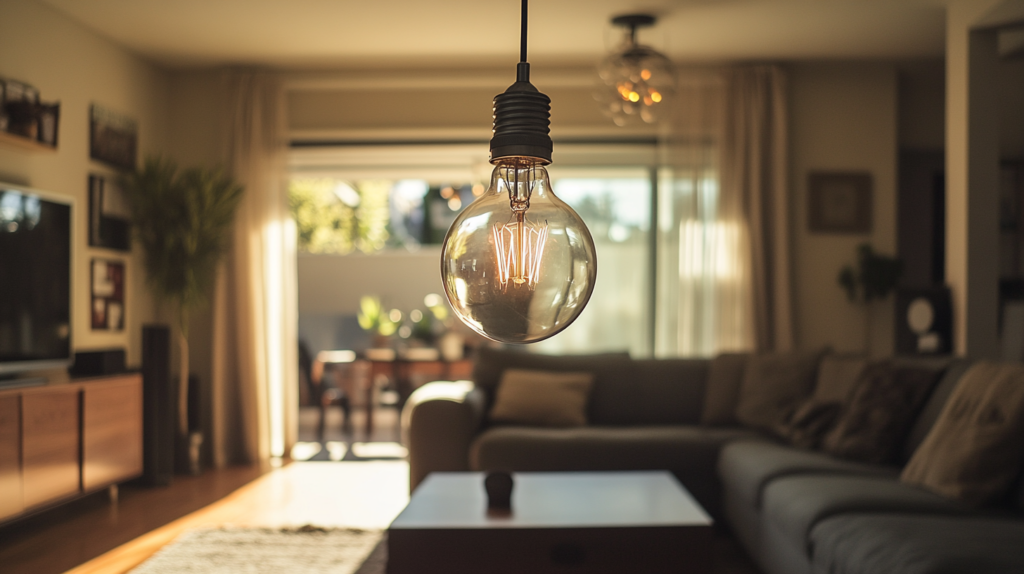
[(446, 500)]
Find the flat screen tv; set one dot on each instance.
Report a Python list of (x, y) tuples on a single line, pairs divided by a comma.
[(35, 280)]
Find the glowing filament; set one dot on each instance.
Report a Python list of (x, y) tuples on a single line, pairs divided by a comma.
[(518, 249)]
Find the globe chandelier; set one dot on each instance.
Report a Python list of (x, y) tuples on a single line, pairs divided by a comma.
[(637, 82)]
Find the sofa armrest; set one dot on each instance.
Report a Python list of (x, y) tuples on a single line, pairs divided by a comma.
[(439, 421)]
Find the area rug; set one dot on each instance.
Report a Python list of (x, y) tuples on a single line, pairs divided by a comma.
[(302, 550)]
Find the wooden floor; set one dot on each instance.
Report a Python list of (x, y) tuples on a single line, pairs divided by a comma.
[(98, 537)]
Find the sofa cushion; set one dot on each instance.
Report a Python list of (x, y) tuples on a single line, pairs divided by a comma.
[(795, 504), (933, 406), (837, 374), (543, 398), (916, 544), (746, 467), (490, 363), (875, 419), (653, 392), (722, 394), (809, 423), (690, 452), (773, 384), (974, 451)]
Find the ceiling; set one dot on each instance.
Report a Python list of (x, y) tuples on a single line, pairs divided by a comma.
[(364, 33)]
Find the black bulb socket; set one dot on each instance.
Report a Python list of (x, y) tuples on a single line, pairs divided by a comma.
[(522, 121)]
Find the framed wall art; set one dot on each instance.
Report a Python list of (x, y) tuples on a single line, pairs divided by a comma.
[(839, 202), (113, 138), (107, 295), (109, 223)]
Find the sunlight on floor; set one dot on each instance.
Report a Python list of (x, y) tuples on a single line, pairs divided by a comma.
[(357, 494)]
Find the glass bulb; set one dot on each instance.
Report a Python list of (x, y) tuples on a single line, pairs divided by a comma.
[(518, 265)]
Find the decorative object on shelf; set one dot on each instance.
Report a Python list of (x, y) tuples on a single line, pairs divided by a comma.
[(107, 295), (519, 265), (839, 202), (637, 81), (109, 225), (183, 221), (23, 115), (113, 138), (924, 321)]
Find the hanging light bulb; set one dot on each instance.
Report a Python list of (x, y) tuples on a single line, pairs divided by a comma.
[(518, 264), (636, 80)]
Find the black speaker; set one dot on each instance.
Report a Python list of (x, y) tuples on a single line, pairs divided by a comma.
[(158, 406), (924, 321), (98, 363)]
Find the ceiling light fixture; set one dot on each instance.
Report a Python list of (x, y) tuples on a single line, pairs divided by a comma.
[(519, 265), (637, 81)]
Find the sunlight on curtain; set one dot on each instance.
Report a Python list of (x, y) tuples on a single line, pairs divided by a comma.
[(617, 209), (703, 303)]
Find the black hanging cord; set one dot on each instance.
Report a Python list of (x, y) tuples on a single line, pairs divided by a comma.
[(522, 40)]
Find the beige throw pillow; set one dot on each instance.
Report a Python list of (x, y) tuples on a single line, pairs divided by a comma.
[(973, 453), (774, 384), (542, 398)]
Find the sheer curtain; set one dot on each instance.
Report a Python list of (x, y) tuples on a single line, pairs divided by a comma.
[(723, 244), (254, 333), (755, 185)]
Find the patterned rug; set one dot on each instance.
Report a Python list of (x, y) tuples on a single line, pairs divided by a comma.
[(303, 550)]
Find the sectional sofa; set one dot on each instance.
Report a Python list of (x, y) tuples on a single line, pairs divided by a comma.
[(795, 510)]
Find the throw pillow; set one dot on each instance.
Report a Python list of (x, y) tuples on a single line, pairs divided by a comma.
[(773, 385), (837, 375), (722, 392), (542, 398), (877, 416), (973, 453), (809, 423)]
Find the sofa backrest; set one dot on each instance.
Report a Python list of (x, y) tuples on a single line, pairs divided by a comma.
[(651, 392), (625, 391), (933, 406), (490, 364)]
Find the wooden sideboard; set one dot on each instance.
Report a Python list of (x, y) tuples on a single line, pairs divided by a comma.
[(58, 442)]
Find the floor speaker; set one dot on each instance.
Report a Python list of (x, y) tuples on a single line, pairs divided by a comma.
[(924, 321), (158, 406)]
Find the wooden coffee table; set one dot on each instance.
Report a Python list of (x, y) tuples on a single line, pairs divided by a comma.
[(579, 522)]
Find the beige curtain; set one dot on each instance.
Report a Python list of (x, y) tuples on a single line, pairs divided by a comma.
[(755, 190), (254, 333), (703, 255), (723, 242)]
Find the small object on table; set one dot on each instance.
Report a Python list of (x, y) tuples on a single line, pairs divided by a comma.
[(499, 492)]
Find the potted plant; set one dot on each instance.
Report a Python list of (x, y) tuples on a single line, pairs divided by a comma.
[(873, 278), (376, 320), (182, 220)]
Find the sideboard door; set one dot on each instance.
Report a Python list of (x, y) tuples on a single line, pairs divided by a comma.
[(111, 431), (50, 468), (11, 501)]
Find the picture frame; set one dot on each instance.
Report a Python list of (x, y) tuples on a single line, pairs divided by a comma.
[(109, 220), (839, 202), (113, 138), (107, 286)]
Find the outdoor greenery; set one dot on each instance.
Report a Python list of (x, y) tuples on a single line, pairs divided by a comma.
[(333, 217)]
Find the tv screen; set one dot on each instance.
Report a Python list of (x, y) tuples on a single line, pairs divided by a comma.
[(35, 280)]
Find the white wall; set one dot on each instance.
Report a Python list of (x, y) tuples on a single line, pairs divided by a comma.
[(73, 65), (843, 117)]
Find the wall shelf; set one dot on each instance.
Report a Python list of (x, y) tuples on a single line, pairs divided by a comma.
[(11, 140)]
